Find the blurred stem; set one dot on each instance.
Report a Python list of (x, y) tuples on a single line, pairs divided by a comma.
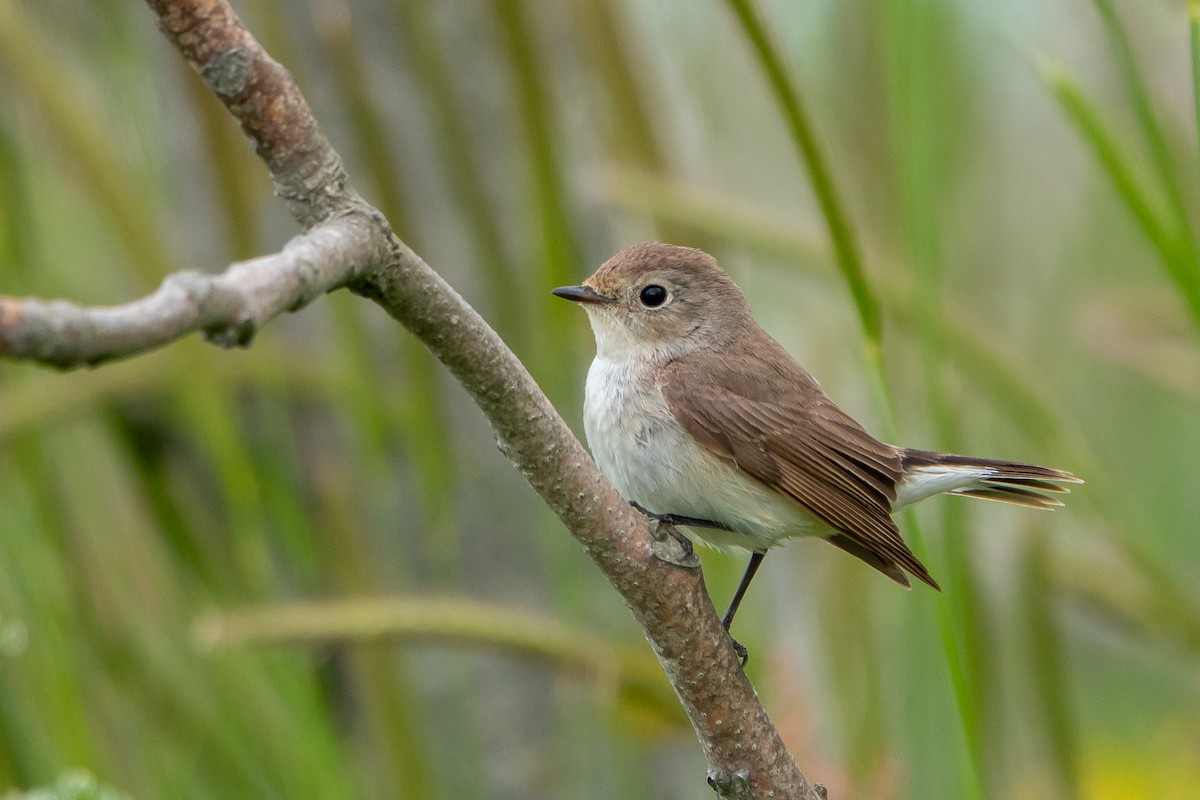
[(629, 87), (557, 237), (269, 412), (1173, 250), (29, 59), (1151, 130), (559, 257), (430, 441), (427, 430), (1049, 668), (386, 693), (711, 214), (787, 95), (919, 107), (16, 223), (355, 90), (625, 83), (231, 161), (965, 690), (212, 419), (38, 401), (456, 622), (371, 420), (461, 166), (1194, 40), (853, 667)]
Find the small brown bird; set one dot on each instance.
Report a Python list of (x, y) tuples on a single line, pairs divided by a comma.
[(700, 418)]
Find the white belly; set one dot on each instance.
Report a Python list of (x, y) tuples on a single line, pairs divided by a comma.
[(652, 460)]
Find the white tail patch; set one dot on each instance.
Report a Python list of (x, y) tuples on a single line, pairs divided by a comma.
[(926, 481)]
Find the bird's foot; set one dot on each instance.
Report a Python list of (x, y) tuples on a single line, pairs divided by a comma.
[(665, 527), (742, 653), (669, 545)]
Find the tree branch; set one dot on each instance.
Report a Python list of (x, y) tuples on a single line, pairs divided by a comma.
[(352, 245), (229, 308)]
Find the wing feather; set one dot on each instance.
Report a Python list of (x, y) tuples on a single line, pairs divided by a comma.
[(786, 434)]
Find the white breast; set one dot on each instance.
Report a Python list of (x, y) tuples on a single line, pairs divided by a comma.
[(651, 459)]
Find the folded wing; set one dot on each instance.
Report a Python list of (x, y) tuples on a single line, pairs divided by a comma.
[(785, 433)]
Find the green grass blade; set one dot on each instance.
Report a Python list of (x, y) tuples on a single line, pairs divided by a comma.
[(1050, 670), (1194, 44), (427, 428), (1172, 250), (464, 168), (850, 263), (1135, 86), (28, 55), (787, 95), (923, 106), (556, 241)]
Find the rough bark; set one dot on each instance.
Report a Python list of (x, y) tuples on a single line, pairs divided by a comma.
[(348, 243)]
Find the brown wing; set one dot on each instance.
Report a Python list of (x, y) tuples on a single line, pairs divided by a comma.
[(793, 439)]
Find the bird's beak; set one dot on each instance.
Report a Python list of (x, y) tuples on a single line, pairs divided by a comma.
[(581, 294)]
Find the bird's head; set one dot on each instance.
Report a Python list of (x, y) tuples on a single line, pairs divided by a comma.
[(659, 301)]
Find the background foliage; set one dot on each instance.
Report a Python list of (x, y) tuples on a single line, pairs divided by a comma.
[(302, 570)]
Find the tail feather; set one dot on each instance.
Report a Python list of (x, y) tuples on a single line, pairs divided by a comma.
[(927, 473), (1011, 494), (1035, 484)]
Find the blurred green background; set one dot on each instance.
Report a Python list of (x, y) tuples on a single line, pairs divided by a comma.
[(303, 570)]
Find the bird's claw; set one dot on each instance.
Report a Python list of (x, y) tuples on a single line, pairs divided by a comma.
[(669, 544), (742, 653)]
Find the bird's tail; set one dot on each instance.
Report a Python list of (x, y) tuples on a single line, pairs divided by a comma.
[(927, 473)]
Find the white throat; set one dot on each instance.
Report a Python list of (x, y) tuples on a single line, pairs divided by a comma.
[(621, 344)]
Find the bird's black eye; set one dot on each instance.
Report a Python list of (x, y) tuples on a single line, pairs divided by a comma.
[(653, 295)]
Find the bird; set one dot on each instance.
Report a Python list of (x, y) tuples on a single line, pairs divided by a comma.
[(700, 418)]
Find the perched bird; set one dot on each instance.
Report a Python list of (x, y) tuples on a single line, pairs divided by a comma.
[(700, 418)]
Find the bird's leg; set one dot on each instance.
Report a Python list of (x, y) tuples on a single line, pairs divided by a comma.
[(669, 545), (667, 525), (671, 520), (679, 519), (696, 522), (755, 560)]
